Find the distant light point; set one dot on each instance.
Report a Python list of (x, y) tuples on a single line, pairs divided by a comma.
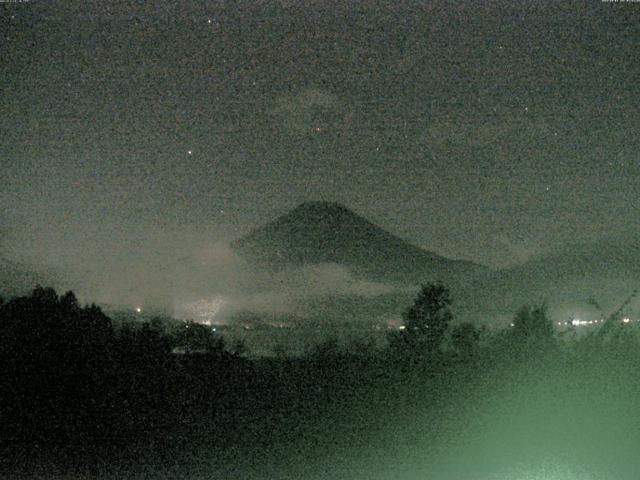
[(138, 310), (189, 152)]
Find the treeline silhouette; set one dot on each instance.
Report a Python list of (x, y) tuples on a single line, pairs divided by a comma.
[(67, 375), (70, 379)]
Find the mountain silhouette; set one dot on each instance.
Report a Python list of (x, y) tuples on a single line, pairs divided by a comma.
[(606, 269), (325, 232)]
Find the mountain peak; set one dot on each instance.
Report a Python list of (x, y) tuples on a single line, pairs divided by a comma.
[(320, 205), (327, 232), (316, 214)]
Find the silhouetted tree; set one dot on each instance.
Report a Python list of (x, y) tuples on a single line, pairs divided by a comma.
[(425, 324), (532, 325), (427, 320), (69, 302), (53, 355), (44, 295)]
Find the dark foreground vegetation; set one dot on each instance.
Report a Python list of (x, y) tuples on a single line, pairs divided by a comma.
[(81, 399)]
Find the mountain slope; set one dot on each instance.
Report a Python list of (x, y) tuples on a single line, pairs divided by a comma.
[(607, 270), (323, 232)]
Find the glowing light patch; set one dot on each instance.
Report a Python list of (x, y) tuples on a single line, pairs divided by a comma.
[(576, 322), (202, 311)]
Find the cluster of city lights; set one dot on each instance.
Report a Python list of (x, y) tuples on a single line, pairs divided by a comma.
[(576, 322)]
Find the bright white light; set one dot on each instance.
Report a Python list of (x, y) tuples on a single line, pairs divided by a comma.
[(189, 152), (402, 327), (138, 310), (576, 322), (626, 320)]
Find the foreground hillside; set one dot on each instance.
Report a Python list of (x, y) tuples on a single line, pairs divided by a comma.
[(85, 401)]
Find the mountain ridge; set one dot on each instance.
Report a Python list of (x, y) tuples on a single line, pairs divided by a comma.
[(328, 232)]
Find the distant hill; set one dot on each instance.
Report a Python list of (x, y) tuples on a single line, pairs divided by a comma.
[(324, 232), (571, 277)]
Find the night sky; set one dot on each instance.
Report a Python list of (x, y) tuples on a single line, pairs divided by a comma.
[(488, 131)]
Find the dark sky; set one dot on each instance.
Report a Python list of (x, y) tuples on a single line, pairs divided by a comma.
[(480, 130)]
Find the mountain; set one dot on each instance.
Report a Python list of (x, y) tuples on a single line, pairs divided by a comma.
[(574, 276), (571, 279), (324, 232)]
